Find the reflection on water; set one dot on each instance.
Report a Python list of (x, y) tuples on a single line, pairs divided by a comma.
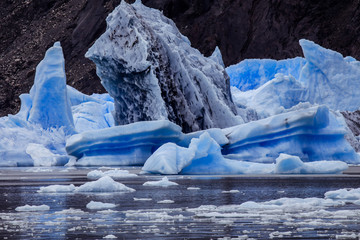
[(203, 207)]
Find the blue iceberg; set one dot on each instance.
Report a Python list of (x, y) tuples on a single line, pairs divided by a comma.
[(51, 113), (154, 74), (250, 74), (330, 78), (129, 144), (323, 77), (203, 156), (48, 103), (312, 134)]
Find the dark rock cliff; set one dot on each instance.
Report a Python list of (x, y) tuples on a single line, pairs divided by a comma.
[(242, 29)]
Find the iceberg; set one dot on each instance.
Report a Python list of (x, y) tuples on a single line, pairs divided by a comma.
[(204, 157), (50, 105), (91, 112), (323, 77), (330, 78), (113, 173), (93, 205), (313, 134), (153, 73), (129, 144), (164, 182), (53, 111), (276, 96), (26, 144), (32, 208), (170, 109), (287, 164), (250, 74), (104, 184)]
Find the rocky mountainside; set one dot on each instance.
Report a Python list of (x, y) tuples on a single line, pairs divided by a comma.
[(241, 29)]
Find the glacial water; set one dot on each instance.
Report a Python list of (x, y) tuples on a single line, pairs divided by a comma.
[(200, 207)]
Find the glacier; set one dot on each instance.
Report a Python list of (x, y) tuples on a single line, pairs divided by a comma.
[(170, 109), (153, 73)]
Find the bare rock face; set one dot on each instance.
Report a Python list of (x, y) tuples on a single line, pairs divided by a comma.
[(29, 28), (241, 29), (265, 29)]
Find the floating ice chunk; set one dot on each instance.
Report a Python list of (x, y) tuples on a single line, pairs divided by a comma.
[(93, 205), (344, 194), (129, 144), (110, 236), (39, 169), (142, 199), (32, 208), (153, 73), (278, 234), (113, 173), (164, 182), (104, 184), (50, 103), (57, 189), (168, 159), (166, 201), (193, 188), (231, 191), (287, 164)]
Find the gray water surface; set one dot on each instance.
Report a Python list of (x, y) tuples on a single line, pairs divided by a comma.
[(141, 215)]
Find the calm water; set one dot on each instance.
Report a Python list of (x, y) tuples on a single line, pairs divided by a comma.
[(141, 215)]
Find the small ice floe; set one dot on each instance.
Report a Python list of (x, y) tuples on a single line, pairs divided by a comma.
[(113, 173), (57, 189), (231, 191), (104, 184), (142, 199), (99, 205), (166, 201), (110, 237), (32, 208), (278, 234), (39, 169), (193, 188), (164, 182), (349, 195)]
